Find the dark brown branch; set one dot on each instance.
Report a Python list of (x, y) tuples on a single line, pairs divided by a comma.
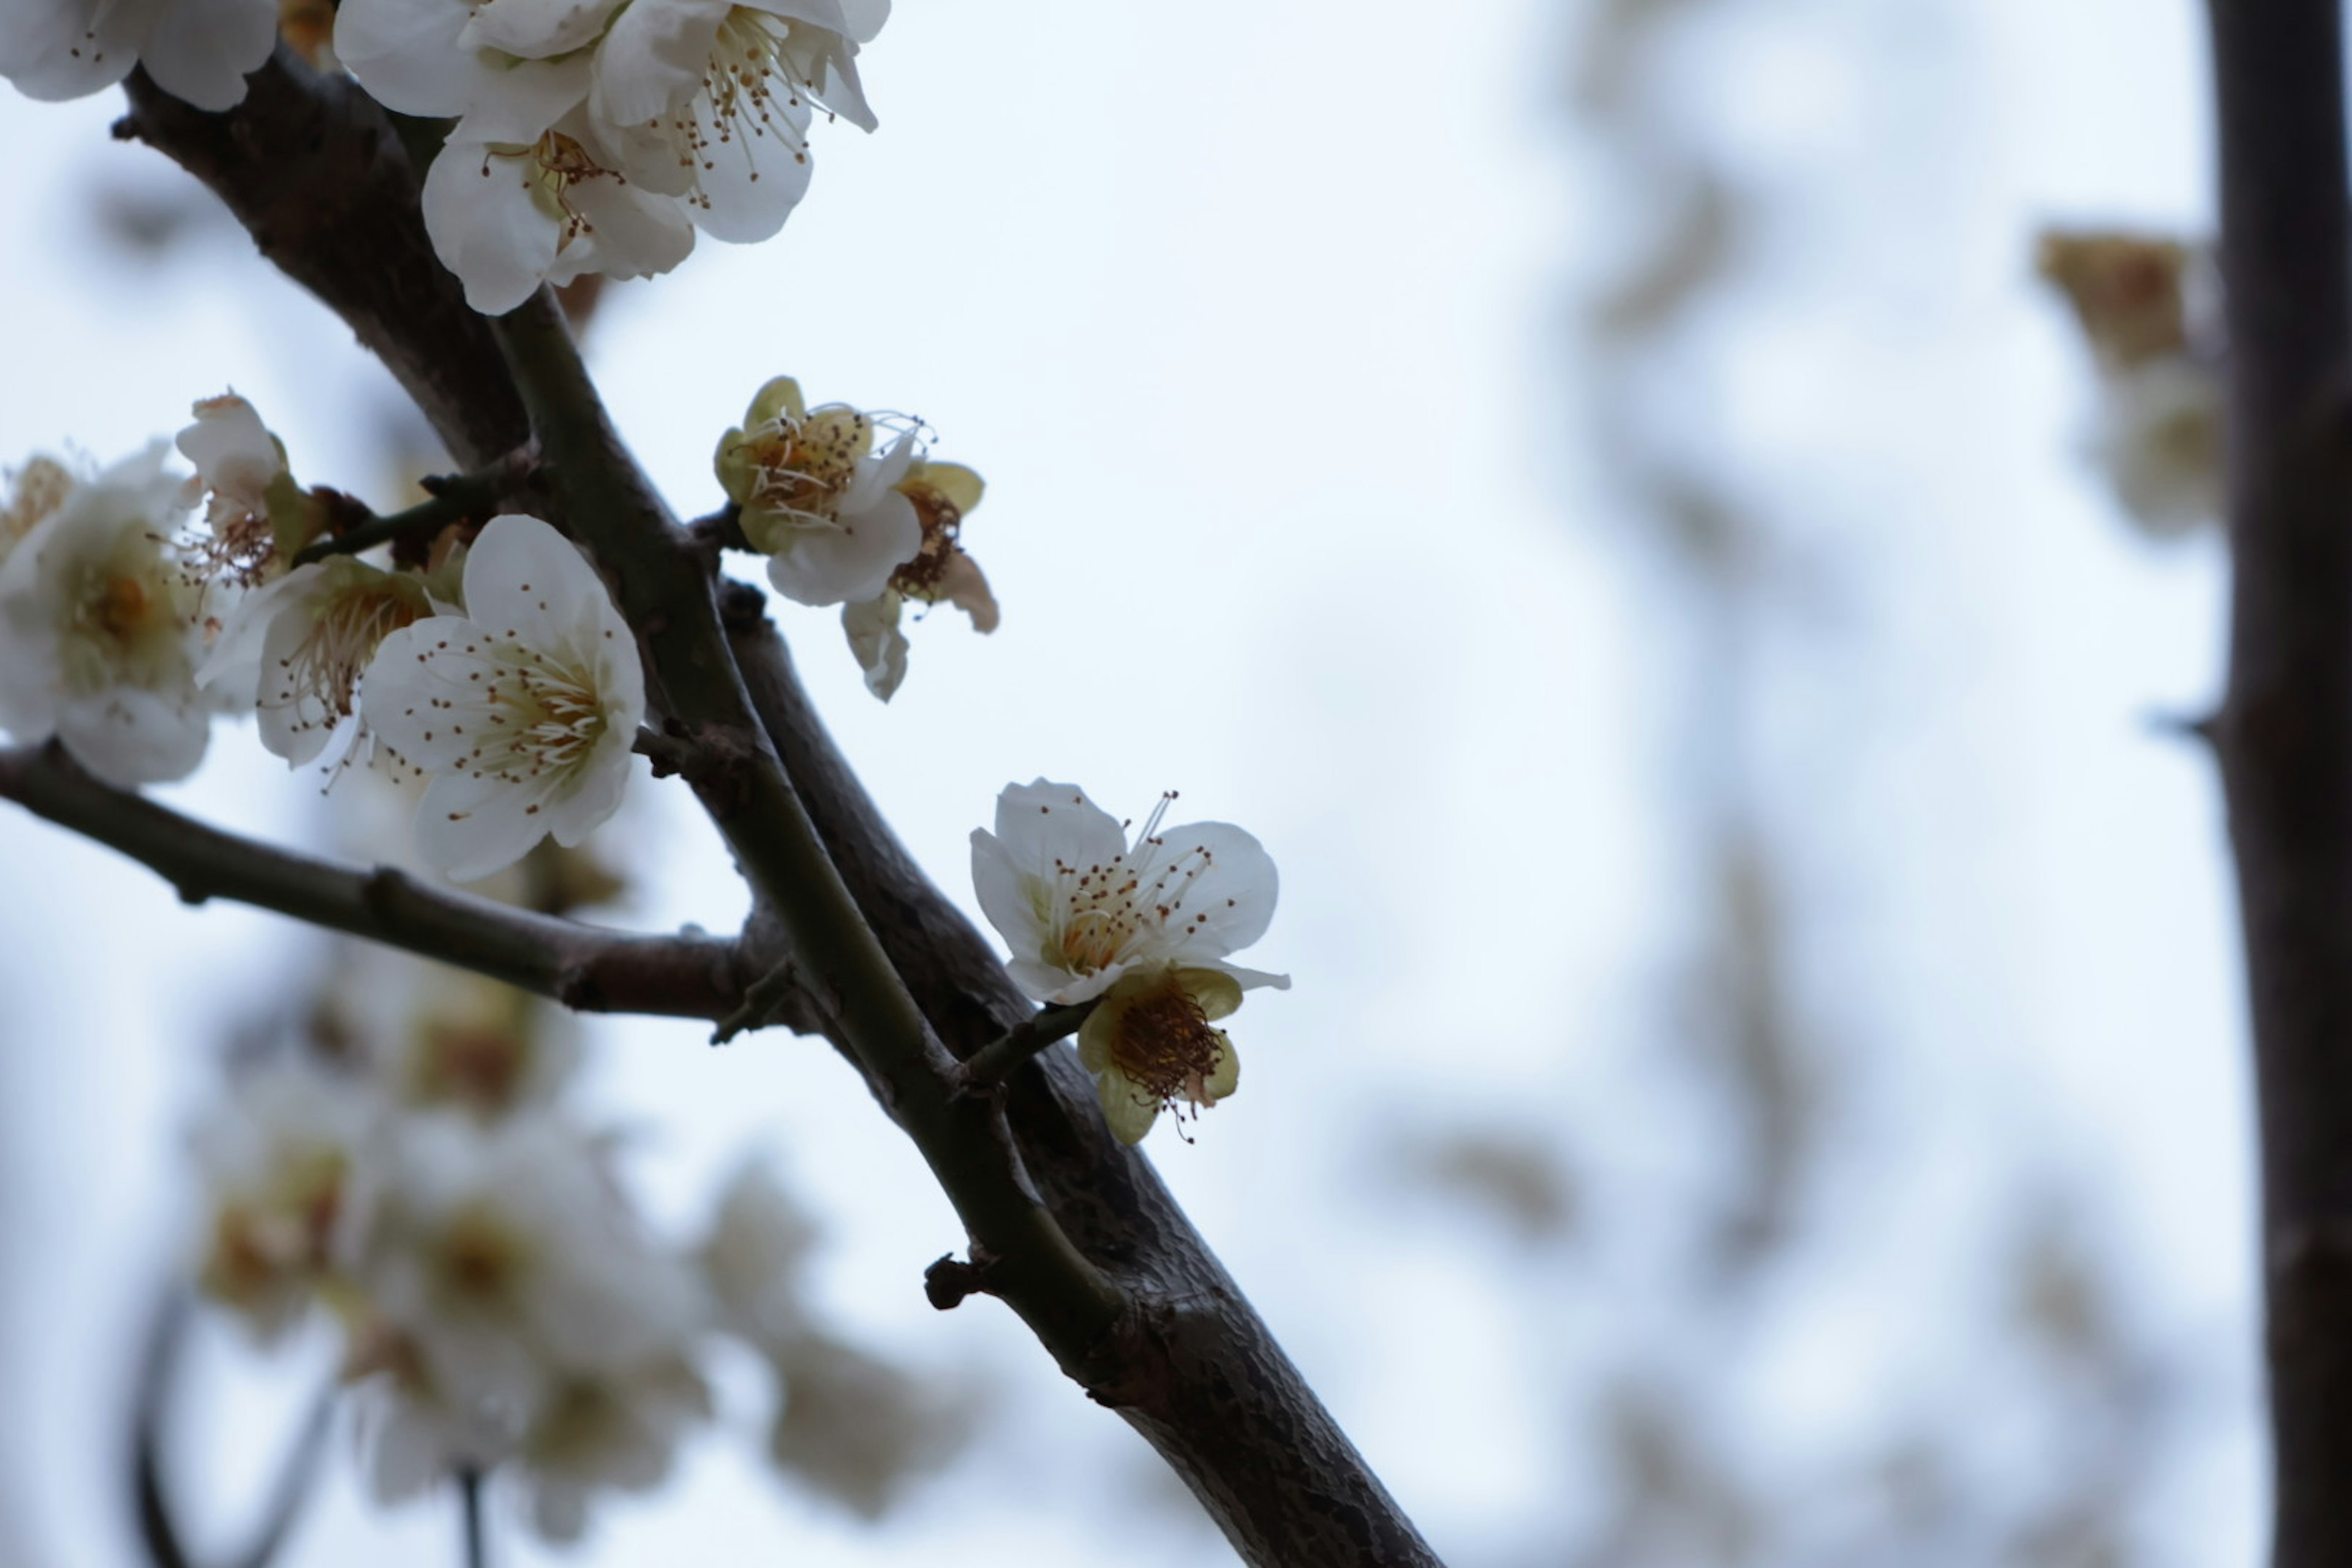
[(1196, 1372), (2285, 731), (578, 965)]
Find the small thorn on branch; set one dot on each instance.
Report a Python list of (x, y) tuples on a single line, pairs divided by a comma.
[(2187, 727)]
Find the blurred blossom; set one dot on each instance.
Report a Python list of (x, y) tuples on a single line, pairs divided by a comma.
[(199, 51), (856, 1429)]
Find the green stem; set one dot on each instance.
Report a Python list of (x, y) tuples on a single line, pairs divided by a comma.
[(664, 587), (454, 498), (994, 1062)]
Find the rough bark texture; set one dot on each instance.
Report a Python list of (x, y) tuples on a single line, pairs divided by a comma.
[(318, 174), (2285, 733)]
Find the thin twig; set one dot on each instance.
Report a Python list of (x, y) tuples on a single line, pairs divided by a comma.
[(455, 498), (471, 1521), (994, 1062), (582, 966)]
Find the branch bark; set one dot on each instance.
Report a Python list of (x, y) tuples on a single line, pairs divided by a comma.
[(2285, 733), (578, 965), (1189, 1364)]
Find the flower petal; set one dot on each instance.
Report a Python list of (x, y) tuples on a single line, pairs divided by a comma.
[(1128, 1109), (852, 561), (537, 29), (652, 57), (876, 643), (406, 54), (201, 51), (487, 226), (526, 583), (1230, 902), (469, 827)]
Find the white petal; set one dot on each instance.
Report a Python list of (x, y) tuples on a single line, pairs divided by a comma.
[(405, 53), (526, 583), (424, 687), (1233, 895), (1252, 979), (486, 226), (1007, 894), (129, 736), (1041, 822), (230, 446), (469, 827), (523, 100), (57, 49), (876, 643), (537, 29), (751, 180), (632, 232), (597, 792), (233, 666), (201, 51), (850, 563), (292, 720), (654, 57)]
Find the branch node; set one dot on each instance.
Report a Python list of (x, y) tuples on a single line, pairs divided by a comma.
[(946, 1282), (762, 1000)]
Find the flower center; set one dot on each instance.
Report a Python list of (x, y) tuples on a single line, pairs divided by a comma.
[(325, 665), (802, 468), (543, 718), (1164, 1044), (556, 163), (942, 522), (120, 607), (1104, 913), (479, 1260)]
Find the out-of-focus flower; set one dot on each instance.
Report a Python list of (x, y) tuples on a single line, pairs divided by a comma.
[(293, 650), (758, 1247), (2129, 291), (606, 1430), (481, 1046), (817, 498), (197, 50), (856, 1427), (98, 640), (521, 712), (35, 490), (1081, 907), (2159, 441), (710, 101), (280, 1161), (943, 495)]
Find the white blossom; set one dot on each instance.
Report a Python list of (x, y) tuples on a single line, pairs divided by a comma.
[(1080, 906), (292, 651), (710, 100), (256, 518), (36, 489), (857, 1428), (615, 1430), (814, 495), (755, 1257), (98, 639), (521, 712), (508, 213), (281, 1160), (197, 50)]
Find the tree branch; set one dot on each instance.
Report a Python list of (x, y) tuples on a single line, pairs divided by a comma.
[(1194, 1369), (578, 965), (2285, 731)]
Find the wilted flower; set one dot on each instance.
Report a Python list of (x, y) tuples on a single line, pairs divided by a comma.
[(1153, 1047), (197, 50), (98, 637), (817, 498), (2159, 441), (943, 495), (255, 517), (521, 712)]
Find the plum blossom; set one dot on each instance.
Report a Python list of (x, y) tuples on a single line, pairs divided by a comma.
[(710, 101), (35, 490), (292, 651), (1146, 927), (943, 494), (280, 1160), (612, 1429), (98, 638), (521, 710), (255, 517), (817, 498), (197, 50), (2158, 439)]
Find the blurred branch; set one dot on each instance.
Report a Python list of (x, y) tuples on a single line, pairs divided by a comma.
[(158, 1374), (2285, 733), (454, 498), (578, 965), (1188, 1364)]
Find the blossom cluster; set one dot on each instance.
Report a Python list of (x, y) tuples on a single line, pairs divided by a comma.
[(589, 136), (409, 1167), (1143, 930), (850, 511), (2144, 306), (136, 607)]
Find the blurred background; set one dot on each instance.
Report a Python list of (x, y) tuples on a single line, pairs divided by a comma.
[(1598, 490)]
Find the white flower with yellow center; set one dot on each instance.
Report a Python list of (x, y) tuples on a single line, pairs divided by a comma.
[(508, 213), (293, 650), (1080, 906), (817, 498), (255, 517), (97, 640), (943, 494), (521, 712), (197, 50), (710, 100)]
